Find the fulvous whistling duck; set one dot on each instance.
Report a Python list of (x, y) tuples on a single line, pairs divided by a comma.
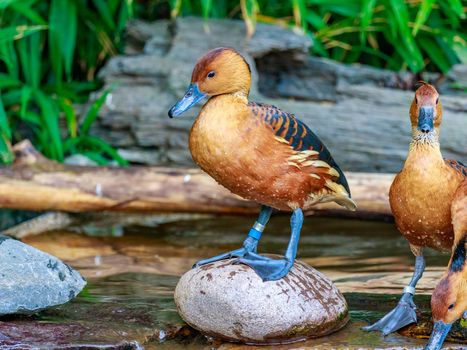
[(258, 152), (449, 300), (420, 197)]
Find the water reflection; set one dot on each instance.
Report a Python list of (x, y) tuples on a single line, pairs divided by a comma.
[(132, 278)]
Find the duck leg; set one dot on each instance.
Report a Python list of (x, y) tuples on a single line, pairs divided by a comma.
[(404, 313), (251, 242), (274, 269)]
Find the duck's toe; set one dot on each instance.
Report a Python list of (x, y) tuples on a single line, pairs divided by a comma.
[(266, 268), (237, 253)]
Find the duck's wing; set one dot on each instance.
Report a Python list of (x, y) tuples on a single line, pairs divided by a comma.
[(458, 166), (308, 148)]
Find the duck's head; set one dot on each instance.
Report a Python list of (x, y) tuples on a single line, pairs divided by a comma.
[(449, 300), (426, 114), (220, 71)]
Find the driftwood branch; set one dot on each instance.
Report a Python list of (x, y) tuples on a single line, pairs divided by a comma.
[(34, 182)]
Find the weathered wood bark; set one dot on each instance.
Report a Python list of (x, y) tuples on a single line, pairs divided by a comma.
[(36, 183)]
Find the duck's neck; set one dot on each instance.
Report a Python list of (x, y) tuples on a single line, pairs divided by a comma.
[(236, 97), (240, 96), (426, 141), (425, 148)]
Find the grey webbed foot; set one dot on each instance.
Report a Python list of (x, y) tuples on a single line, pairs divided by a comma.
[(249, 246), (402, 315), (267, 268)]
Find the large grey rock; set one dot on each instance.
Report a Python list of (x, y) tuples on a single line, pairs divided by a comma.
[(232, 302), (359, 112), (31, 280)]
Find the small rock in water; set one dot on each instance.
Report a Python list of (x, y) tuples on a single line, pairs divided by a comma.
[(31, 280), (231, 302)]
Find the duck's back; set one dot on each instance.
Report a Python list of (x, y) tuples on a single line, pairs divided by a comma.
[(298, 135), (421, 197), (260, 153)]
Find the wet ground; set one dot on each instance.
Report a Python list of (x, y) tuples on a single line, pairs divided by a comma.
[(132, 273)]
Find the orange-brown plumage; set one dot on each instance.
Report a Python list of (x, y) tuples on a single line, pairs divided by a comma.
[(422, 193), (459, 211), (423, 200), (449, 300), (244, 146), (258, 152)]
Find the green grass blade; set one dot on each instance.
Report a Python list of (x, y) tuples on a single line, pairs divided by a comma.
[(50, 117), (4, 124), (26, 93), (452, 13), (18, 32), (175, 8), (32, 118), (106, 148), (92, 113), (422, 15), (456, 6), (22, 47), (71, 121), (249, 10), (105, 14), (6, 155), (11, 97), (412, 54), (206, 7), (96, 157), (125, 14), (30, 52), (62, 36), (315, 20), (436, 55), (9, 57), (25, 10), (300, 13), (366, 15), (7, 81), (6, 3)]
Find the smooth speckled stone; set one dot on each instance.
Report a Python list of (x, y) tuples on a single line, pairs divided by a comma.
[(31, 280), (232, 303)]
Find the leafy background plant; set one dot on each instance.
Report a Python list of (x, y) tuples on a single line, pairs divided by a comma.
[(415, 35), (51, 50)]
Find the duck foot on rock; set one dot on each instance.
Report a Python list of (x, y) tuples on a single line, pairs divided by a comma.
[(266, 268), (402, 315), (250, 244), (237, 253)]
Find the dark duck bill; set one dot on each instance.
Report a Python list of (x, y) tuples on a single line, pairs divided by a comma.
[(192, 96), (440, 331)]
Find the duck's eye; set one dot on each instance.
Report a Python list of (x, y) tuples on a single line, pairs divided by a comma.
[(450, 307), (211, 74)]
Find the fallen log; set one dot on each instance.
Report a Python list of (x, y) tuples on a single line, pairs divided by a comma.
[(36, 183)]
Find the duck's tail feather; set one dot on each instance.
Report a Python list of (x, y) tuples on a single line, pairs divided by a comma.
[(346, 202)]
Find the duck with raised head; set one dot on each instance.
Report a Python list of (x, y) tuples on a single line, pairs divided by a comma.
[(421, 196), (449, 300), (258, 152)]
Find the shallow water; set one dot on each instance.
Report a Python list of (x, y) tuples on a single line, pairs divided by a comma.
[(131, 277)]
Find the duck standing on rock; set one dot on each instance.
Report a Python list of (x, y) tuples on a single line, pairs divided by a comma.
[(258, 152), (449, 300), (421, 196)]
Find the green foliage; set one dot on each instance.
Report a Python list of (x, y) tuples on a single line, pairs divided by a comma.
[(395, 34), (50, 52)]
